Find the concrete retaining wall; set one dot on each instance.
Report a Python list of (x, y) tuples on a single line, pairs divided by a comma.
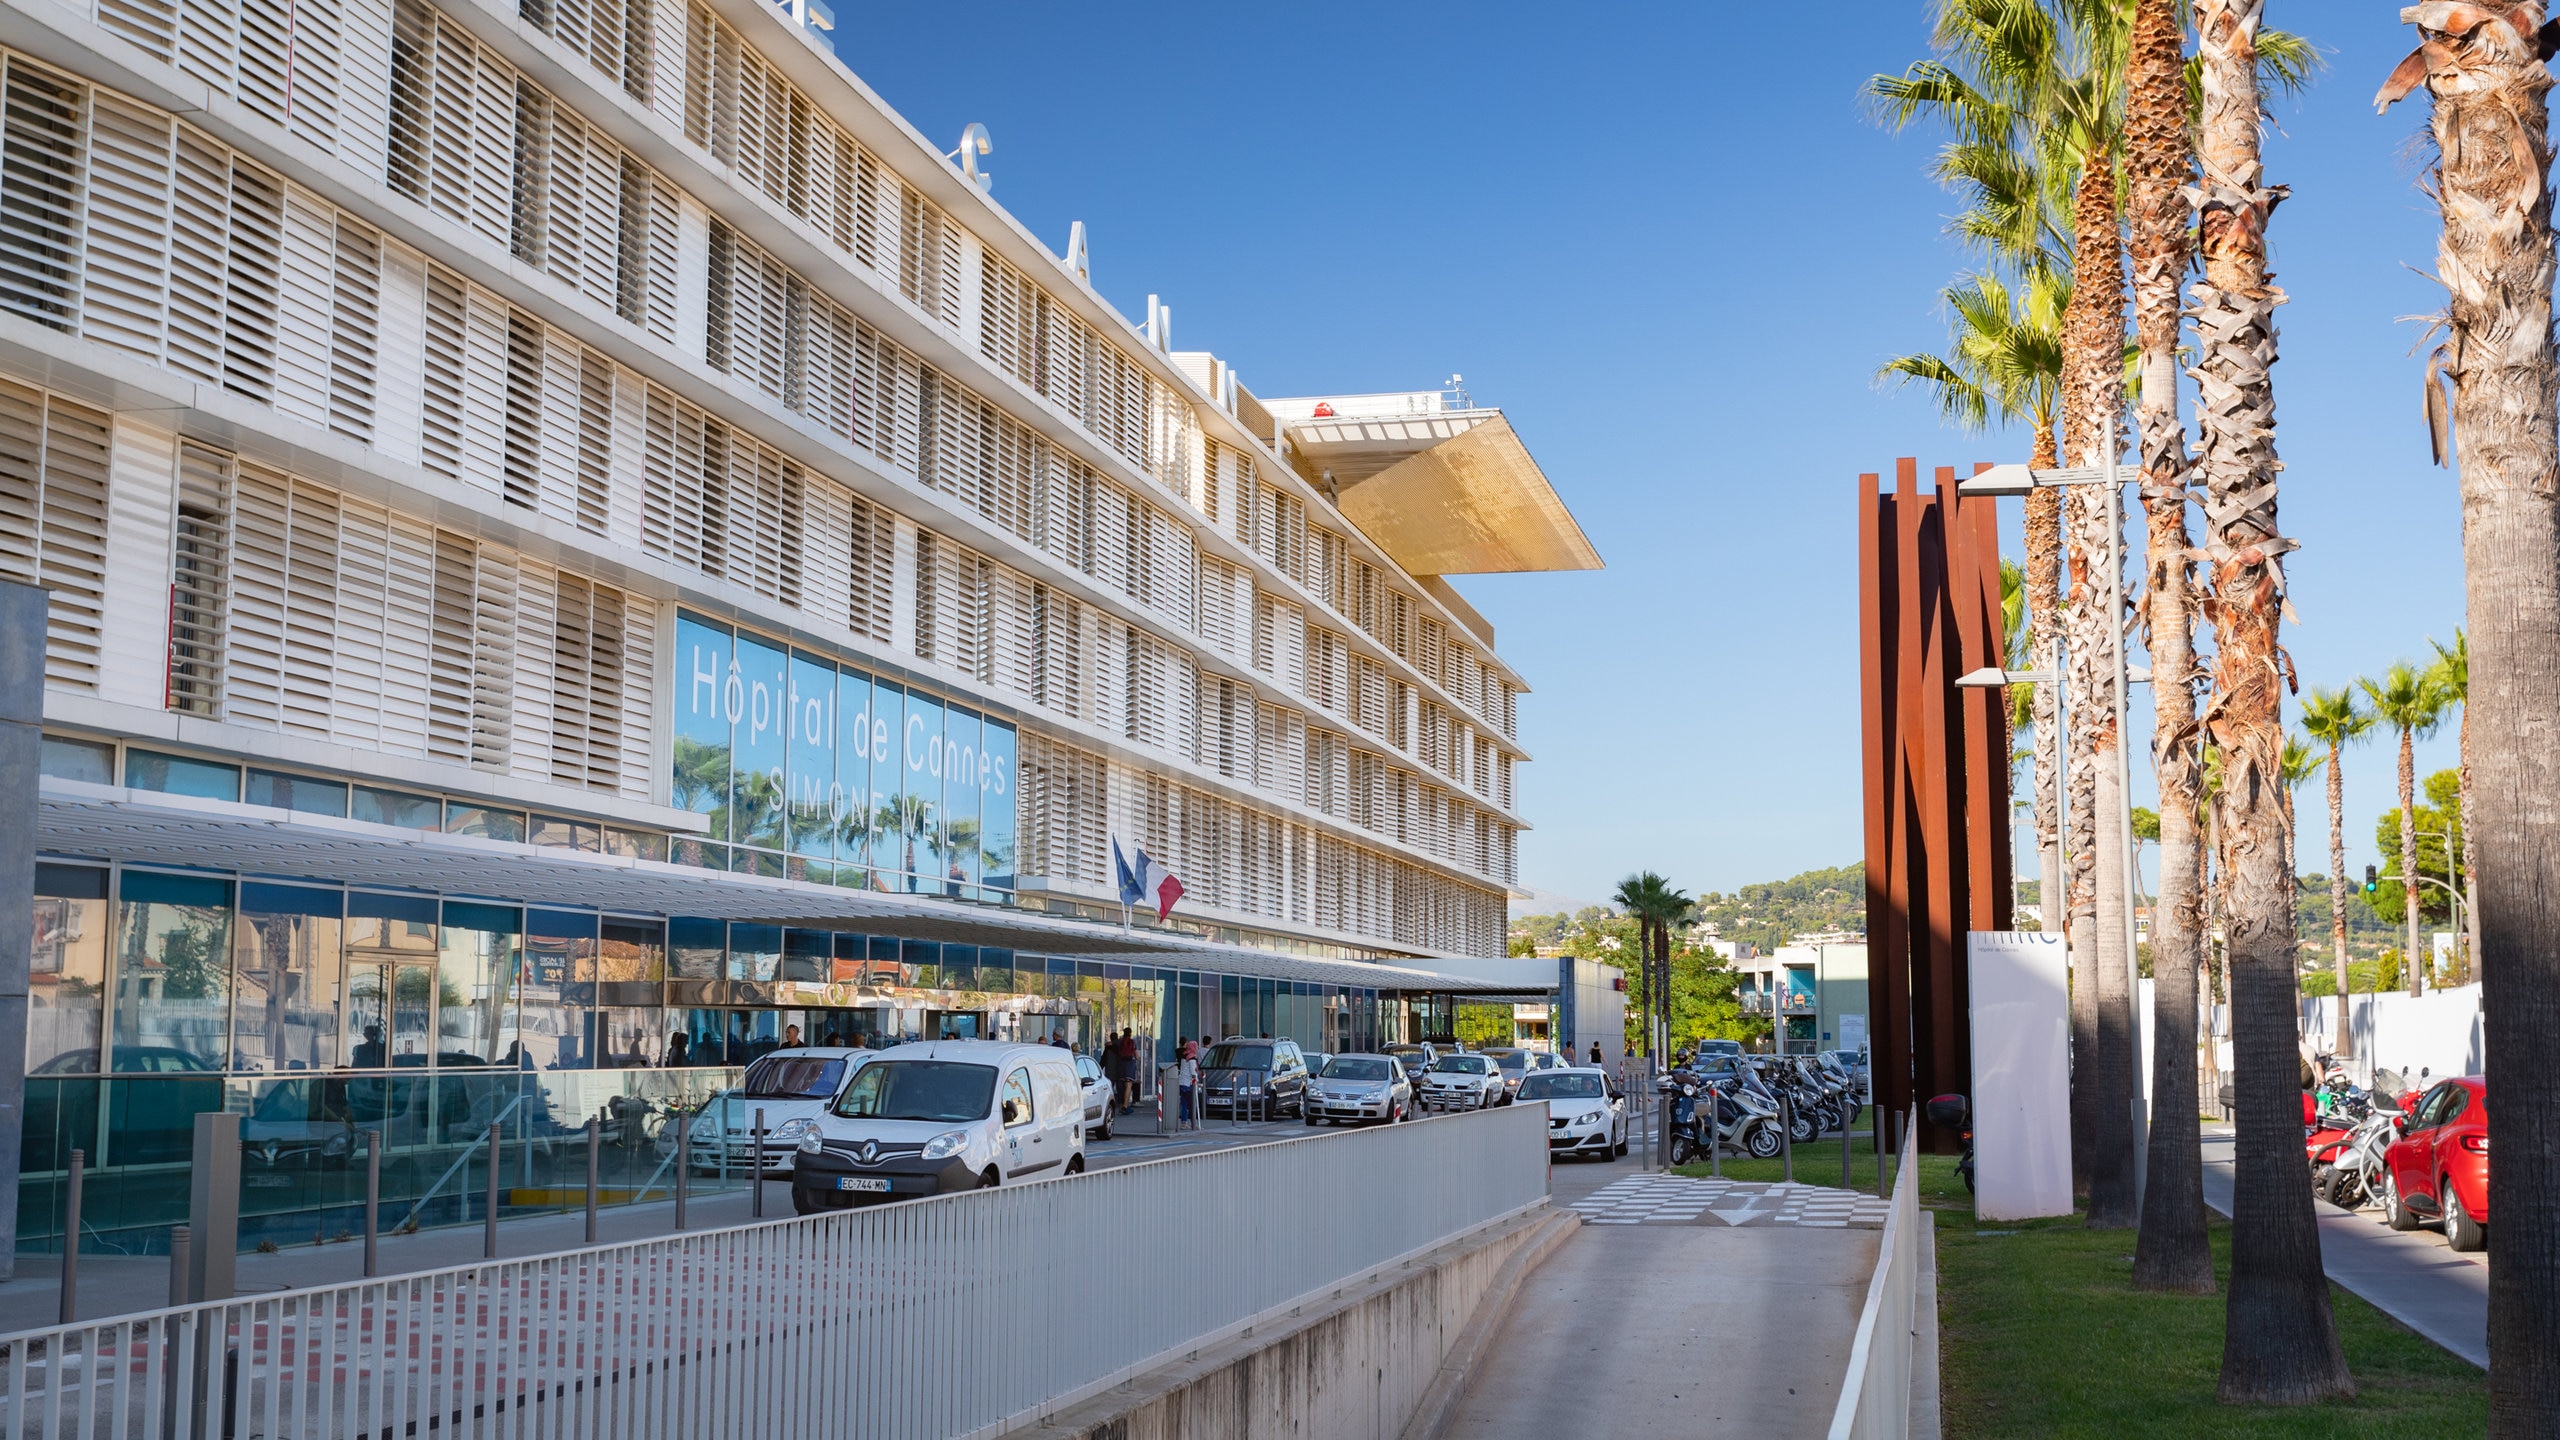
[(1354, 1366)]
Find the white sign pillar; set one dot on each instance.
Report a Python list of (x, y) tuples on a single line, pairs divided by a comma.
[(2021, 1074)]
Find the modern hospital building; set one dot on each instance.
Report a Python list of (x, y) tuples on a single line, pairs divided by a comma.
[(576, 540)]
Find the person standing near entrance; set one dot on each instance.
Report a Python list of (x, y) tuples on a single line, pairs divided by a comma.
[(790, 1037), (1126, 1052), (1190, 1083), (1595, 1054)]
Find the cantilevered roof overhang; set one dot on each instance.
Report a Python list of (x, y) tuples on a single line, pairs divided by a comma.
[(142, 827), (1451, 492)]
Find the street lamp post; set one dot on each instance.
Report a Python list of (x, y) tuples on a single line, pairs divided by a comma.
[(2019, 480)]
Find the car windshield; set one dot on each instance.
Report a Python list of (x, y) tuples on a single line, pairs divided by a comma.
[(1560, 1087), (1406, 1053), (919, 1090), (1361, 1069), (793, 1077), (1462, 1065), (1512, 1060), (1237, 1057)]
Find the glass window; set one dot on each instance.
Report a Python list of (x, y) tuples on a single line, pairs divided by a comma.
[(711, 695), (397, 807), (755, 953), (391, 979), (1237, 1057), (759, 753), (634, 844), (960, 967), (849, 800), (562, 833), (807, 955), (632, 963), (920, 855), (1560, 1087), (67, 970), (173, 972), (1017, 1099), (179, 775), (290, 966), (920, 963), (477, 955), (695, 1037), (960, 833), (557, 990), (890, 843), (1352, 1067), (697, 959), (82, 760), (308, 794), (997, 822), (809, 725), (481, 821), (792, 1077), (941, 1091), (629, 1036)]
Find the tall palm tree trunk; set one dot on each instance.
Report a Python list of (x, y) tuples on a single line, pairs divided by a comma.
[(2171, 1253), (2411, 899), (2094, 402), (2492, 129), (2470, 880), (2338, 895), (2280, 1342)]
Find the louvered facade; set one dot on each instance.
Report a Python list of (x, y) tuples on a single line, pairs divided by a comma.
[(379, 384)]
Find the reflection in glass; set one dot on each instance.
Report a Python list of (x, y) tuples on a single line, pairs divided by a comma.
[(759, 753), (476, 961), (890, 859), (557, 991), (755, 955), (707, 694), (960, 781), (633, 962), (391, 980), (697, 954), (809, 725), (849, 799), (173, 972), (289, 967), (67, 970), (997, 825), (920, 817)]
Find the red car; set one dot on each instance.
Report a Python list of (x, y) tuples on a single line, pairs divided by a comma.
[(2439, 1169)]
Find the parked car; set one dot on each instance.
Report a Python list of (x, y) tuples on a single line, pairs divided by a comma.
[(1357, 1089), (943, 1115), (1463, 1082), (1585, 1113), (792, 1088), (1316, 1061), (2438, 1170), (1267, 1078), (1518, 1062), (1098, 1100), (1414, 1058)]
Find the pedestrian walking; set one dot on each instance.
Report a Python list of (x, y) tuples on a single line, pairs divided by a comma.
[(1595, 1053), (1190, 1085)]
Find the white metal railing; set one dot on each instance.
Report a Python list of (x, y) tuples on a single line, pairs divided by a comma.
[(965, 1315), (1875, 1398)]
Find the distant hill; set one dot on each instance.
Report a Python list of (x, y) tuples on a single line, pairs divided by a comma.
[(1771, 914)]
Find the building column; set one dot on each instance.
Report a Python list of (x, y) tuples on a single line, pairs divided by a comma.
[(22, 627)]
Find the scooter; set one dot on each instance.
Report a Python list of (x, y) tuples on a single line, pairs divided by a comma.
[(1954, 1112), (2354, 1174)]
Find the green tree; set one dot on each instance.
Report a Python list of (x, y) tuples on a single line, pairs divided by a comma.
[(2450, 673), (1655, 906), (2408, 701)]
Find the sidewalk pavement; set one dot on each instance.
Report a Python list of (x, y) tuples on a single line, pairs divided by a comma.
[(2410, 1275)]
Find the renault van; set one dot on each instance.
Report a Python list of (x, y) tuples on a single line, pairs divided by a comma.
[(939, 1116)]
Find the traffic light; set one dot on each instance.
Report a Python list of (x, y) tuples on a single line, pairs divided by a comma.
[(2371, 880)]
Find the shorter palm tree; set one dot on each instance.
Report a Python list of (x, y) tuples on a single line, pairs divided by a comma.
[(2407, 700), (1655, 906), (2451, 674), (2331, 719)]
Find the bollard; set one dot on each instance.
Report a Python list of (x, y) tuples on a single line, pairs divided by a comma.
[(684, 1162), (1844, 1152), (489, 1225), (372, 1203), (595, 1152), (755, 1162), (70, 1298), (1787, 1132), (180, 1291), (1715, 1132)]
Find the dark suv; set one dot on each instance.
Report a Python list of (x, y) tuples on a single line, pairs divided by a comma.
[(1263, 1078)]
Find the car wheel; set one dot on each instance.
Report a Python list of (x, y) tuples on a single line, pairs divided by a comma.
[(2460, 1230), (1105, 1132), (1618, 1149), (988, 1179), (1075, 1164), (2395, 1214)]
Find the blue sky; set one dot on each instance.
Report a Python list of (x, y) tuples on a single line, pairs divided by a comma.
[(1676, 262)]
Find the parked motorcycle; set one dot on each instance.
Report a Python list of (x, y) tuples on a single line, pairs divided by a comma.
[(2354, 1172), (1954, 1112)]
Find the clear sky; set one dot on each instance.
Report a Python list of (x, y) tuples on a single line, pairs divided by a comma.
[(1673, 249)]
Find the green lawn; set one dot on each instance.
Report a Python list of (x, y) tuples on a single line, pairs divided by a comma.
[(2041, 1333)]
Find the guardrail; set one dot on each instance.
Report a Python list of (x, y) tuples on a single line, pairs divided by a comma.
[(1875, 1400), (965, 1315)]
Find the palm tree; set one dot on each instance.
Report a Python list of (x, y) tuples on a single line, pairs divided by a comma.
[(2331, 718), (2171, 1252), (2280, 1341), (2451, 675), (1650, 901), (2496, 260), (2405, 700)]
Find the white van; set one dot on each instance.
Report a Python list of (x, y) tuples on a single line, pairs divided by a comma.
[(939, 1116), (792, 1087)]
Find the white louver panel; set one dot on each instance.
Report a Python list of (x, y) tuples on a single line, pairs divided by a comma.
[(54, 458), (1012, 652), (281, 59)]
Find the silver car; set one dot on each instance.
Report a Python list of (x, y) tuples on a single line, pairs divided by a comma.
[(1098, 1099), (1358, 1090), (1464, 1082)]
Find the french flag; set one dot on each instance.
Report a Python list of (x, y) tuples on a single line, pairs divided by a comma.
[(1143, 879)]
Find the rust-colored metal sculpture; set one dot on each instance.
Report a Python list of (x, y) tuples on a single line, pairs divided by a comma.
[(1936, 770)]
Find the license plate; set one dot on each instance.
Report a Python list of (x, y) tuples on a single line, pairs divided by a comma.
[(870, 1183)]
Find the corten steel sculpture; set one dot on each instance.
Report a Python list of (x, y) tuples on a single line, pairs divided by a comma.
[(1936, 763)]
